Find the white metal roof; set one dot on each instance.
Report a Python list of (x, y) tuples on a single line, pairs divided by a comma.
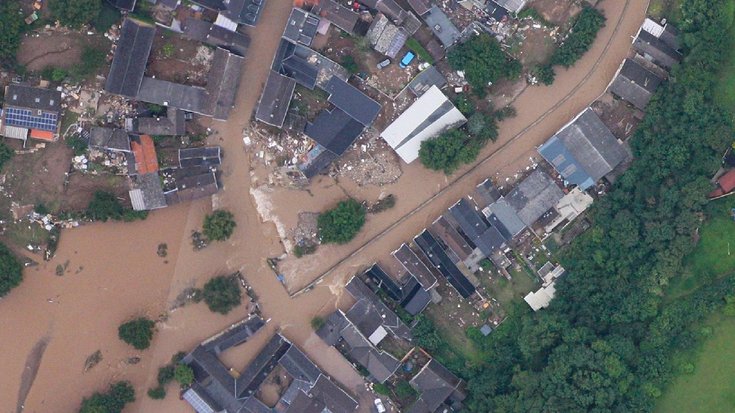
[(378, 335), (426, 118), (513, 6), (652, 27), (15, 132), (226, 23), (541, 298)]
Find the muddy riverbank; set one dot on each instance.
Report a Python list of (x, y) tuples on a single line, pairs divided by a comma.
[(113, 272)]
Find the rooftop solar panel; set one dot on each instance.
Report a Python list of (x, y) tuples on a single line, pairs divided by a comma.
[(27, 119)]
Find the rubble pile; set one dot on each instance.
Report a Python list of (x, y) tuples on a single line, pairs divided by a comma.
[(370, 163), (306, 231)]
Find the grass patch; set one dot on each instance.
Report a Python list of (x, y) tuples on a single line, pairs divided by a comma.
[(423, 54), (715, 253), (669, 9), (726, 91), (711, 388), (507, 291), (68, 119)]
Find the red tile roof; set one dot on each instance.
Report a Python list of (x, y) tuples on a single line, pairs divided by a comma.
[(146, 160)]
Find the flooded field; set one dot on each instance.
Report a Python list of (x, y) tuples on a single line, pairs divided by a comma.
[(112, 271)]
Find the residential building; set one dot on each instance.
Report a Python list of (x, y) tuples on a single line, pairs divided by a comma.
[(658, 44), (634, 84), (438, 257), (173, 124), (584, 150), (408, 293), (542, 297), (442, 27), (275, 100), (512, 6), (109, 139), (301, 27), (413, 264), (534, 196), (371, 316), (425, 80), (31, 112), (337, 14), (432, 114), (438, 388), (385, 37), (131, 57), (207, 157), (245, 12)]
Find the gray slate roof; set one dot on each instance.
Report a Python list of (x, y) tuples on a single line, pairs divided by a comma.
[(369, 312), (435, 384), (147, 192), (584, 150), (656, 50), (425, 80), (534, 196), (206, 156), (301, 27), (28, 97), (352, 101), (112, 139), (131, 58), (214, 35), (441, 26), (381, 365), (635, 84), (339, 15), (173, 124), (275, 100), (513, 6), (334, 130)]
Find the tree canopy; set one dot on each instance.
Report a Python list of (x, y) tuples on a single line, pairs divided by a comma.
[(75, 13), (113, 401), (11, 271), (11, 28), (222, 293), (606, 342), (578, 41), (483, 61), (341, 223), (184, 375), (138, 333), (219, 225), (448, 151)]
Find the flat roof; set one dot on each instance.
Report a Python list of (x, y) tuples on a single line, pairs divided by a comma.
[(131, 58)]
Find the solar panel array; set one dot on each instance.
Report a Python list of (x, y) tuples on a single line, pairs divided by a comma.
[(25, 118)]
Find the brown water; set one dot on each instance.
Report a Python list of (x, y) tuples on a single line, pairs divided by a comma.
[(121, 276)]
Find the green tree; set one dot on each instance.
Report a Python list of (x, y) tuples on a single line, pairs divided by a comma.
[(448, 151), (222, 294), (341, 223), (104, 206), (75, 13), (483, 62), (184, 375), (113, 401), (545, 74), (77, 144), (157, 393), (11, 28), (482, 127), (11, 271), (138, 333), (165, 374), (6, 154), (92, 60), (219, 225), (580, 38)]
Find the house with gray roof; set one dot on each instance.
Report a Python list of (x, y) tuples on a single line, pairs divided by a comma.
[(437, 387), (473, 227), (147, 193), (534, 196), (31, 112), (337, 14), (425, 80), (173, 124), (656, 50), (441, 26), (634, 84), (584, 150), (216, 389), (214, 35), (275, 99), (109, 139), (512, 6), (131, 57), (371, 316), (245, 12), (385, 37), (301, 27)]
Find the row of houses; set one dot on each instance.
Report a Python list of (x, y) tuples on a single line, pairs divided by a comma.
[(359, 332), (218, 388)]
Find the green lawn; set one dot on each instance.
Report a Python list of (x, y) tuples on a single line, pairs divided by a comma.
[(727, 77), (711, 388), (665, 8)]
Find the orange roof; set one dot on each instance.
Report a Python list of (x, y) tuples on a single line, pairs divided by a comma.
[(42, 135), (727, 181), (146, 160)]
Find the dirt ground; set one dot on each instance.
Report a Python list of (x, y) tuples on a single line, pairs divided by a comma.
[(557, 12), (58, 48), (122, 275), (178, 59)]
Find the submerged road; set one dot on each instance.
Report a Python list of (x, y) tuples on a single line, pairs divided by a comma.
[(115, 273)]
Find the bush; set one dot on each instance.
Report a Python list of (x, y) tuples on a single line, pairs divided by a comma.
[(184, 375), (580, 38), (165, 374), (6, 154), (77, 144), (92, 60), (483, 62), (113, 401), (167, 50), (464, 105), (11, 271), (219, 225), (104, 206), (448, 151), (304, 249), (107, 16), (54, 74), (482, 127), (350, 64), (341, 224), (545, 74), (222, 294), (138, 333), (404, 390), (75, 13), (157, 393), (381, 389), (317, 323)]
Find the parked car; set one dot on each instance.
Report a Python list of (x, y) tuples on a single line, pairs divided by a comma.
[(407, 59), (379, 406), (383, 64)]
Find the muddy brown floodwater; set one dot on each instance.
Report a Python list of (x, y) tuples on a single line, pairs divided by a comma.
[(113, 272)]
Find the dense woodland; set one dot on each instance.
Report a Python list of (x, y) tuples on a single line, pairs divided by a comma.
[(608, 340)]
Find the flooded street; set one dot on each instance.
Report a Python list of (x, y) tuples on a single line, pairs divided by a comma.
[(113, 272)]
